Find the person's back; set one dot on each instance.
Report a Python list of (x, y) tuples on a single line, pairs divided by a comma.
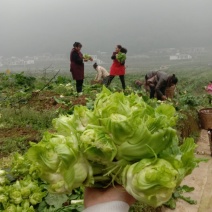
[(158, 81), (150, 75), (161, 75), (161, 83), (102, 74), (103, 71)]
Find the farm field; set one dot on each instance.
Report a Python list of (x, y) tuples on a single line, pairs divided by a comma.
[(30, 100)]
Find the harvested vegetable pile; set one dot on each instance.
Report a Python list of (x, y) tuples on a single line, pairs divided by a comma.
[(17, 193), (122, 140)]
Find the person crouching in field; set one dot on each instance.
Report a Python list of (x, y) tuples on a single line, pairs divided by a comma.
[(158, 81), (101, 75)]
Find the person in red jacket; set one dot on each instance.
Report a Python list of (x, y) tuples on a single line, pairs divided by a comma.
[(117, 68), (77, 66)]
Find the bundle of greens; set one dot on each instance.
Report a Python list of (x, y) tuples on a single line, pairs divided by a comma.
[(86, 57), (122, 140), (121, 57)]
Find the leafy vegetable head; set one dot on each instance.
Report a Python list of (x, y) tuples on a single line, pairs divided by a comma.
[(55, 152), (97, 145), (121, 57), (150, 181), (86, 56)]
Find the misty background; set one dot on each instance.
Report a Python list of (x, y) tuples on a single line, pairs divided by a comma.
[(29, 27)]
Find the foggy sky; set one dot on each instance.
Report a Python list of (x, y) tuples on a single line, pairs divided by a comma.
[(32, 27)]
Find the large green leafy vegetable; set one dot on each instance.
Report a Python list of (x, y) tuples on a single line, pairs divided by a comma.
[(86, 57), (121, 57), (150, 180), (122, 140)]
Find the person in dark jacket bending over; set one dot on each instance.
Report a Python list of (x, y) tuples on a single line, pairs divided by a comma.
[(158, 81), (77, 66)]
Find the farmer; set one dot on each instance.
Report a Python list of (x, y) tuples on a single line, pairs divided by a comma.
[(102, 74), (77, 66), (158, 81), (117, 68)]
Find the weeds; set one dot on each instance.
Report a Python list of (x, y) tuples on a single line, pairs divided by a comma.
[(26, 117), (11, 145)]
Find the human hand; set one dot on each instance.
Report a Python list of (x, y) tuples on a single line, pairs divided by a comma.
[(151, 84), (164, 97), (93, 196)]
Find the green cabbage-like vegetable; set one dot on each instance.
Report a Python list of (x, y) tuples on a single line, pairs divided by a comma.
[(3, 177), (3, 198), (86, 57), (121, 57), (97, 145), (59, 159), (151, 181), (123, 140), (20, 186), (55, 152)]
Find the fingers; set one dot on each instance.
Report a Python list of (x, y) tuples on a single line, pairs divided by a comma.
[(93, 196)]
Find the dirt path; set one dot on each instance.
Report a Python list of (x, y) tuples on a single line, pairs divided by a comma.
[(200, 179)]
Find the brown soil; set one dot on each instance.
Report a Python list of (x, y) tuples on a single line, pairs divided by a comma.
[(19, 132), (30, 134), (44, 100), (81, 100)]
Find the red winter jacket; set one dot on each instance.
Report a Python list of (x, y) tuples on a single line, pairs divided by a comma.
[(116, 68)]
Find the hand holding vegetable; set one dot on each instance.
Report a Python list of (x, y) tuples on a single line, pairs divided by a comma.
[(87, 57), (164, 97), (121, 57), (123, 140), (93, 196)]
